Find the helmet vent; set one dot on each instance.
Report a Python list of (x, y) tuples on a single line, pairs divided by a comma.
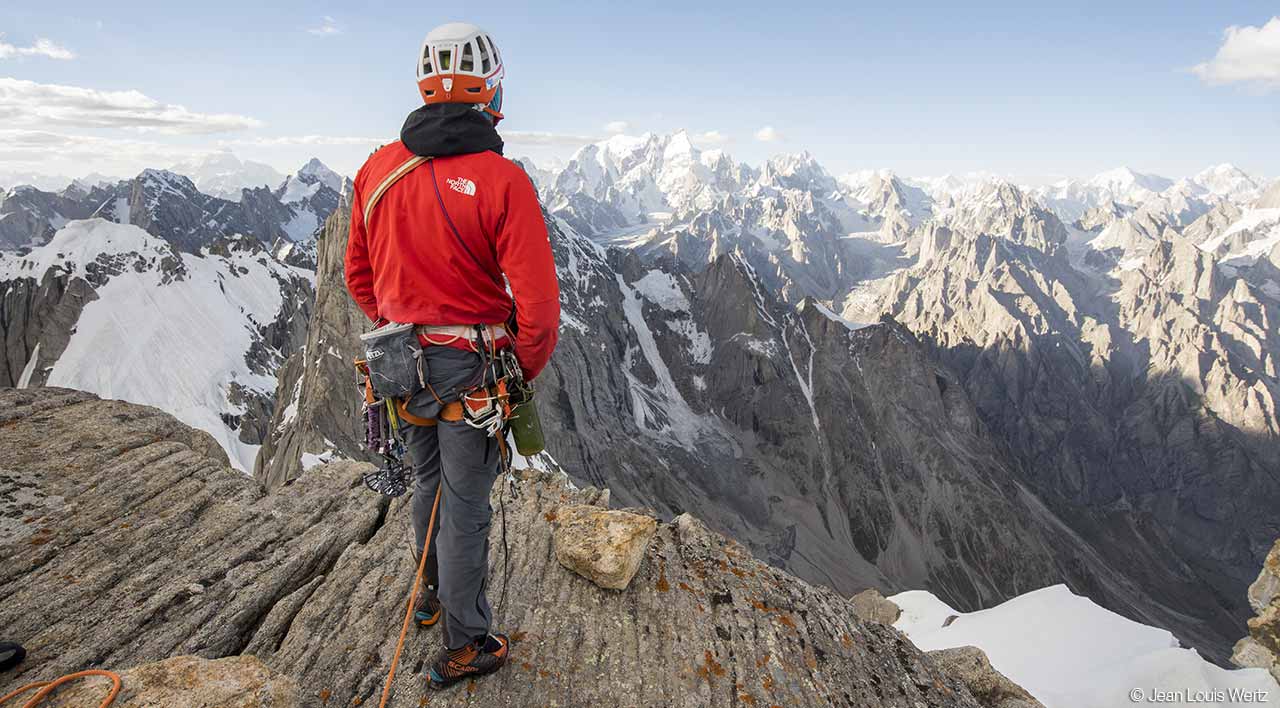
[(485, 63)]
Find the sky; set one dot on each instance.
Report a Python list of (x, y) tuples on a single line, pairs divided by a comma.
[(1034, 91)]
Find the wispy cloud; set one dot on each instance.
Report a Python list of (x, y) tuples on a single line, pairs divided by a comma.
[(768, 134), (1248, 55), (42, 48), (328, 26), (303, 140), (711, 137), (617, 127), (534, 137), (35, 148), (35, 105)]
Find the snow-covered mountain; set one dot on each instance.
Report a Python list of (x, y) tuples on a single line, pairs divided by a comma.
[(1069, 652), (222, 174), (1071, 198), (312, 194), (156, 292), (112, 309), (1080, 393), (1228, 181), (1081, 317), (308, 180), (648, 177), (172, 206)]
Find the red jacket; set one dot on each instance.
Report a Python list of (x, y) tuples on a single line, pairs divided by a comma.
[(407, 265)]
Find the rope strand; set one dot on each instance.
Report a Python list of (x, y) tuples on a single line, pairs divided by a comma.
[(413, 598), (48, 687)]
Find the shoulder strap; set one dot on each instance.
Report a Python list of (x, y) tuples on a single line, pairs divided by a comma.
[(405, 168), (497, 279)]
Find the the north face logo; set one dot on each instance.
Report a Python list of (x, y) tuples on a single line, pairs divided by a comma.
[(462, 185)]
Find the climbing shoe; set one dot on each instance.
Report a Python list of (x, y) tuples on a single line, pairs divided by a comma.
[(483, 656), (427, 610)]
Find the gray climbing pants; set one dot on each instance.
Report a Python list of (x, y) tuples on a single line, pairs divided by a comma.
[(464, 462)]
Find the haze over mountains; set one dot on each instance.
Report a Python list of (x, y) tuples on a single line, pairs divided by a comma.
[(1078, 383)]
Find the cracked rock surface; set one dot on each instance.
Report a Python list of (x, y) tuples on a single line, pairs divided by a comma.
[(233, 682), (155, 548)]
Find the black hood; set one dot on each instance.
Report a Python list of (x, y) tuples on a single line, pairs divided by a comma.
[(445, 129)]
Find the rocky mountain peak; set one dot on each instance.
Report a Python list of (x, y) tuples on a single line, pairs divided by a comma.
[(1261, 649), (1270, 199), (317, 170), (1184, 268), (798, 171), (310, 580), (222, 174), (166, 182), (1121, 180), (1226, 180), (679, 145), (1002, 210)]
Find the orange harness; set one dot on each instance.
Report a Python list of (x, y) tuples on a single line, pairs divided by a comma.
[(451, 413)]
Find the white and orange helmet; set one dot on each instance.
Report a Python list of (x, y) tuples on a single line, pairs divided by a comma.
[(459, 63)]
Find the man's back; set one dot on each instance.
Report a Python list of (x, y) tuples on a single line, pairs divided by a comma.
[(439, 241)]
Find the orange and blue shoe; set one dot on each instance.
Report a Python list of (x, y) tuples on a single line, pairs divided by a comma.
[(428, 610), (481, 657)]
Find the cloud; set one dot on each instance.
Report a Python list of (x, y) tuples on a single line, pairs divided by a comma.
[(1248, 55), (328, 26), (768, 134), (711, 137), (42, 48), (617, 127), (296, 140), (34, 105), (537, 137), (43, 149)]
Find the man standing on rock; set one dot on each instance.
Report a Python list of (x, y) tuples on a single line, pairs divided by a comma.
[(445, 232)]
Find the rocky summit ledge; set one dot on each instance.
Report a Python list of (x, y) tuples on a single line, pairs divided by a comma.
[(127, 540)]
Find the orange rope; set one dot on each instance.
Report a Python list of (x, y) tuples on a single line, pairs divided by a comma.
[(413, 598), (48, 687)]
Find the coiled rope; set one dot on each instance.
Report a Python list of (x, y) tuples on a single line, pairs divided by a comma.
[(48, 687)]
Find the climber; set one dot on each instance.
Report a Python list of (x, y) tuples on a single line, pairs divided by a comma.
[(434, 252)]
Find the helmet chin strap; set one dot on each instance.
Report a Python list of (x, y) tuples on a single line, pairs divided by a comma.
[(483, 109)]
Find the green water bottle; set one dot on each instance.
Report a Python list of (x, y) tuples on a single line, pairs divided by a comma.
[(526, 428)]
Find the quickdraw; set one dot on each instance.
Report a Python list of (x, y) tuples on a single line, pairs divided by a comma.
[(382, 437)]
